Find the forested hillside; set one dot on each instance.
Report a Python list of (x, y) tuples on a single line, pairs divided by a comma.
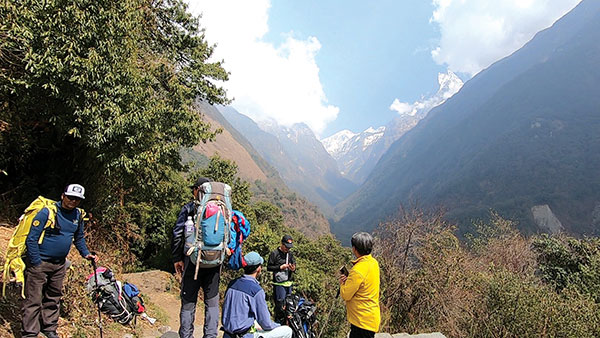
[(100, 93), (518, 136), (265, 182), (298, 156)]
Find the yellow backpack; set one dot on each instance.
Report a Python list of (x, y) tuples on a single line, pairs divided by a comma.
[(16, 246)]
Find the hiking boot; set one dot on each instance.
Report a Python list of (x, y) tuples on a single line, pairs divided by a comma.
[(50, 334)]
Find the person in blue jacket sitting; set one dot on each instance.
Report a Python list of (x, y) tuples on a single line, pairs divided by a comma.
[(245, 311)]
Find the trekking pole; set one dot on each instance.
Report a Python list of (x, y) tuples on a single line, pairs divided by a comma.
[(97, 290)]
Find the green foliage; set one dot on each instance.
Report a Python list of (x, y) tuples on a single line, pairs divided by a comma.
[(570, 263), (317, 279), (484, 232), (519, 306), (297, 211), (102, 93), (489, 288), (268, 214)]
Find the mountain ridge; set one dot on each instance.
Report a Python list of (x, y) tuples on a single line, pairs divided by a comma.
[(298, 156), (265, 181), (446, 158), (358, 153)]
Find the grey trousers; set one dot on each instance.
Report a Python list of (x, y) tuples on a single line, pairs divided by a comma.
[(208, 280), (43, 291)]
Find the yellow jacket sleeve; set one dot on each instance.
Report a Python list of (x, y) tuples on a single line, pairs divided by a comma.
[(349, 288)]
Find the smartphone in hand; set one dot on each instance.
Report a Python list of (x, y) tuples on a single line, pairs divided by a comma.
[(344, 271)]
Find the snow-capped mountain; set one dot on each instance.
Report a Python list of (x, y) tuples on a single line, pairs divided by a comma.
[(298, 156), (449, 84), (357, 153), (334, 143), (345, 141), (370, 136)]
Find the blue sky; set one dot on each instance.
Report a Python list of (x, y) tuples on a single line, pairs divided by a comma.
[(372, 52), (354, 64)]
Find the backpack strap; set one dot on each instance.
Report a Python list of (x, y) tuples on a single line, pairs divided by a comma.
[(52, 221), (82, 217)]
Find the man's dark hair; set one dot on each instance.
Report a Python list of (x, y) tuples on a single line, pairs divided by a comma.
[(250, 269), (199, 182), (362, 242)]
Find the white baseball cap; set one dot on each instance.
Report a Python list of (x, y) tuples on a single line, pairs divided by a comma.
[(75, 190)]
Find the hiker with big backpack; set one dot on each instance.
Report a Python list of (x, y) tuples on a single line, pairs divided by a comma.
[(200, 245), (245, 306), (283, 265), (53, 229)]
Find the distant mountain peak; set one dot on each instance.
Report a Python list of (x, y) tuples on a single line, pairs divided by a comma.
[(371, 136), (336, 142), (372, 130), (449, 83)]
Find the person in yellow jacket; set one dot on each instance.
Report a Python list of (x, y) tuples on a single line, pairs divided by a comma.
[(360, 289)]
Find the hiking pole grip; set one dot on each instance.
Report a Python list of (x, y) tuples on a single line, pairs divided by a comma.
[(93, 261)]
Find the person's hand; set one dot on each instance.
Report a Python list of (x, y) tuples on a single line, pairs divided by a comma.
[(293, 267), (343, 279), (178, 267), (284, 267), (92, 257)]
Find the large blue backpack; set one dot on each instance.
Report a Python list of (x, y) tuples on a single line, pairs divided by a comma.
[(207, 242)]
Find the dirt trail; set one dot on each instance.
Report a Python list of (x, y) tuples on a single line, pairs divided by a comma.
[(160, 289)]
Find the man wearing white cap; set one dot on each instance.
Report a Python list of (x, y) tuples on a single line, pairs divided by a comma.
[(245, 304), (47, 250)]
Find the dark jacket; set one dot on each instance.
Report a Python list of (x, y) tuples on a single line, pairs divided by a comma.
[(57, 242), (277, 259), (178, 240)]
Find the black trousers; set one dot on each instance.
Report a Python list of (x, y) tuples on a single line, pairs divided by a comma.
[(279, 294), (357, 332)]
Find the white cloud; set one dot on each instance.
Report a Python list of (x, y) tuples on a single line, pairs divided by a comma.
[(449, 83), (476, 33), (402, 108), (267, 81)]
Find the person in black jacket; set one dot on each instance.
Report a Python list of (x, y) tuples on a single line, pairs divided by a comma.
[(208, 278), (282, 264)]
